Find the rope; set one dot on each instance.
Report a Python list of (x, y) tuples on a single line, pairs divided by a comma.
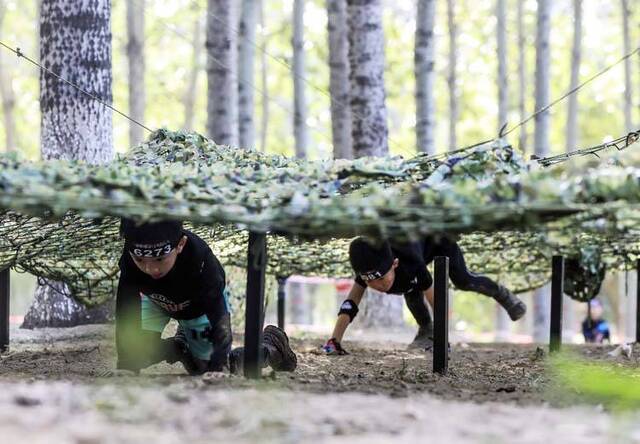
[(19, 53)]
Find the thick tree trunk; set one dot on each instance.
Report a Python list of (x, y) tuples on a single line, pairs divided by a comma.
[(576, 52), (366, 78), (7, 96), (264, 124), (541, 140), (73, 126), (522, 77), (339, 78), (192, 85), (424, 61), (135, 57), (452, 75), (222, 94), (628, 94), (299, 98), (246, 68)]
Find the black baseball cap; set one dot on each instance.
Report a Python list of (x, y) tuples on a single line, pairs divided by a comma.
[(151, 239), (370, 260)]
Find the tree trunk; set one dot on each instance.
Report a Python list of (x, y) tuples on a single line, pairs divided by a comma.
[(264, 125), (8, 96), (503, 323), (541, 136), (135, 57), (246, 64), (366, 78), (299, 99), (73, 126), (572, 111), (222, 110), (424, 61), (522, 77), (192, 84), (451, 76), (628, 96), (339, 78)]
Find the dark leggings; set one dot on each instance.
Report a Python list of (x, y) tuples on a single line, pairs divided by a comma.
[(461, 277)]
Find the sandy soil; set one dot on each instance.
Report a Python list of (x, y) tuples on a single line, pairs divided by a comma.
[(49, 386)]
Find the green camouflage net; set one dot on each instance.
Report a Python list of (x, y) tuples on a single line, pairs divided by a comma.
[(60, 218)]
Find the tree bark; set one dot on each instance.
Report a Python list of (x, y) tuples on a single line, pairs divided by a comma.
[(192, 85), (541, 136), (73, 126), (366, 78), (299, 97), (246, 68), (424, 61), (8, 96), (628, 93), (339, 78), (264, 124), (452, 75), (522, 77), (222, 94), (135, 57), (576, 55)]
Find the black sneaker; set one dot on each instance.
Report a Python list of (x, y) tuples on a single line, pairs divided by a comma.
[(423, 339), (280, 356), (236, 361), (192, 365), (514, 306)]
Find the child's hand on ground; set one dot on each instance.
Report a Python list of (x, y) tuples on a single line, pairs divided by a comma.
[(333, 347)]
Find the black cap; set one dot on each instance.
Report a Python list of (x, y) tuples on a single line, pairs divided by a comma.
[(370, 261), (151, 239)]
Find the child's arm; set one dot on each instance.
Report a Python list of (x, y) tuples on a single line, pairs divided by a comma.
[(348, 311)]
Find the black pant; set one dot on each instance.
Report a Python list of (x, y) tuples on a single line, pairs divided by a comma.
[(461, 277)]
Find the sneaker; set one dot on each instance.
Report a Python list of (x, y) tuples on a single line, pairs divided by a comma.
[(236, 361), (280, 356), (514, 306), (191, 364), (423, 339)]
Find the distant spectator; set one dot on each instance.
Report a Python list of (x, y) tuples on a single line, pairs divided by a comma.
[(596, 329)]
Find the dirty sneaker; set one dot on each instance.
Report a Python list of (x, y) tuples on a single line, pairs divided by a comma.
[(514, 306), (423, 339), (181, 353), (280, 356)]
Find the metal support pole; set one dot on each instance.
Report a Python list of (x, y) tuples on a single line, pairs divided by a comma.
[(5, 293), (557, 289), (256, 265), (440, 315), (282, 299), (638, 301)]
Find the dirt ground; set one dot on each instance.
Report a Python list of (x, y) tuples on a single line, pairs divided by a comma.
[(50, 384)]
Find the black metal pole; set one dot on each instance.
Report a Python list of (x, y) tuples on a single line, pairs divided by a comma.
[(5, 293), (557, 290), (638, 301), (282, 299), (256, 265), (440, 315)]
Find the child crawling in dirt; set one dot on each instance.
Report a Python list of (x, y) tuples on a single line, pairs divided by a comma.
[(401, 268), (167, 272)]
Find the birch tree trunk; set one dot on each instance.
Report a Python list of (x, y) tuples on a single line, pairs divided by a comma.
[(246, 67), (222, 94), (503, 323), (369, 123), (576, 55), (424, 61), (135, 57), (451, 76), (264, 124), (628, 94), (522, 77), (189, 101), (541, 140), (7, 96), (339, 78), (73, 126), (299, 98)]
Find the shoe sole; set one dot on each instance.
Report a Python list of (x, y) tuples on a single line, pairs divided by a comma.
[(283, 345), (517, 311)]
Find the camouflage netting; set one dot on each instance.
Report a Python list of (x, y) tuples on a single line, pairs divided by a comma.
[(60, 217)]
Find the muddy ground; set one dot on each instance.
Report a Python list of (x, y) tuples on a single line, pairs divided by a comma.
[(50, 383)]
